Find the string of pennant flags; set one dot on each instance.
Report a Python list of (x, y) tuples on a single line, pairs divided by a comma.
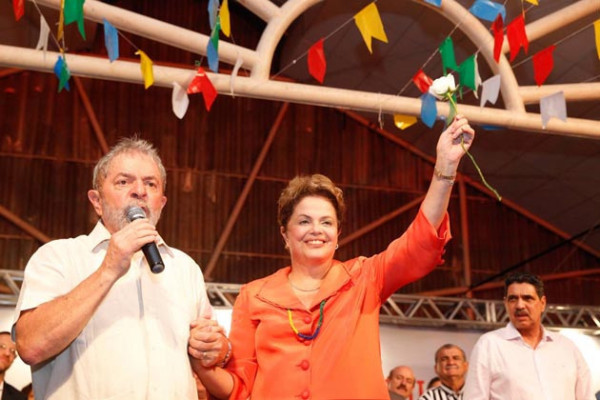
[(370, 26)]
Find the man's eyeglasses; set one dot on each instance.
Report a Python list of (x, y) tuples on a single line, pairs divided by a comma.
[(12, 351)]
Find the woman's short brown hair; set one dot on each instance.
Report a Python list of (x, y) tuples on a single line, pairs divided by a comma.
[(309, 185)]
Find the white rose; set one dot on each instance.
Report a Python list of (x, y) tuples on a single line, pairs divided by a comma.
[(442, 86)]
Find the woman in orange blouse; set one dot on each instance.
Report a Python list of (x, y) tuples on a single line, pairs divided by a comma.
[(311, 330)]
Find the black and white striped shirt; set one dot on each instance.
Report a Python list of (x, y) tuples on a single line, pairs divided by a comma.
[(442, 393)]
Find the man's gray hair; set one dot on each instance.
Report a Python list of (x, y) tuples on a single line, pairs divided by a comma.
[(127, 145)]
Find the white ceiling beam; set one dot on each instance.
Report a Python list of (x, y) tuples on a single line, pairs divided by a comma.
[(263, 9), (126, 71), (160, 31), (573, 92)]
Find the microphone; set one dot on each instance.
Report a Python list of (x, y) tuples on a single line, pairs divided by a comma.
[(150, 249)]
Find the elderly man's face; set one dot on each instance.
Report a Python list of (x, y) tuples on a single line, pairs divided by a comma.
[(450, 364), (402, 381), (133, 179), (524, 306)]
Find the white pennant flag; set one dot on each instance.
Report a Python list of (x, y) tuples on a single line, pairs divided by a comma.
[(489, 90), (179, 100), (234, 73), (553, 106), (43, 39)]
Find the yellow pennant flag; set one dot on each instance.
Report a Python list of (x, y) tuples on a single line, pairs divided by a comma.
[(597, 32), (224, 16), (404, 121), (61, 21), (146, 67), (369, 24), (534, 2)]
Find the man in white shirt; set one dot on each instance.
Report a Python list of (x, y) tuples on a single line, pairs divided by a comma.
[(524, 361), (92, 320)]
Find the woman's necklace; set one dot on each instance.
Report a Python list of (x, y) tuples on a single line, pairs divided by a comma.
[(302, 335), (300, 289)]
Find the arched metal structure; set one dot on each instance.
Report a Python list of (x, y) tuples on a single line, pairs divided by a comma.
[(258, 62)]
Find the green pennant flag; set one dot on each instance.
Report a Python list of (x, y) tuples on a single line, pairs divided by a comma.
[(469, 74), (74, 13), (447, 53), (214, 36), (63, 77)]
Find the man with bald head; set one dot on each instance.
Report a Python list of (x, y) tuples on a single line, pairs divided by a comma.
[(401, 382)]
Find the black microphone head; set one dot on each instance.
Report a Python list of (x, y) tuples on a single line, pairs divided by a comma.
[(133, 212)]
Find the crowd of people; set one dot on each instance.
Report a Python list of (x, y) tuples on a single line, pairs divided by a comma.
[(308, 331)]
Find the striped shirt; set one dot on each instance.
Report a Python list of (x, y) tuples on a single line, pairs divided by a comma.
[(442, 393)]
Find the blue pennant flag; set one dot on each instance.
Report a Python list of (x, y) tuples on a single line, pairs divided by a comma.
[(62, 73), (213, 9), (428, 109), (111, 41), (437, 3), (487, 10), (213, 57)]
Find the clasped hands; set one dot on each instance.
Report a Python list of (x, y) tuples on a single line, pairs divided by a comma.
[(208, 343)]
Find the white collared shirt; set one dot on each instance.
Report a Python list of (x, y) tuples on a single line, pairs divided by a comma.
[(504, 367), (135, 345)]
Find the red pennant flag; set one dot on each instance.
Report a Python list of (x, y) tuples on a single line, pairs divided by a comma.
[(543, 63), (498, 30), (201, 84), (515, 31), (317, 65), (422, 81), (19, 8)]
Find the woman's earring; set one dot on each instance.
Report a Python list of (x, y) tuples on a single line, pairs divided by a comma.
[(337, 246)]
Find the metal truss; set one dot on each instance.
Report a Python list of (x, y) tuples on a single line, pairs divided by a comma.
[(399, 309), (448, 312)]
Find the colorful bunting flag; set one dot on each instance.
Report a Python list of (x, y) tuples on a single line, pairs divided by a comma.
[(447, 53), (597, 35), (62, 73), (553, 106), (111, 41), (469, 74), (515, 31), (498, 30), (487, 10), (543, 63), (74, 13), (370, 26), (179, 100), (428, 109), (224, 17), (422, 81), (19, 9), (201, 84), (213, 9), (61, 21), (44, 33), (317, 64), (490, 90), (146, 67), (437, 3), (534, 2), (404, 121), (212, 47)]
